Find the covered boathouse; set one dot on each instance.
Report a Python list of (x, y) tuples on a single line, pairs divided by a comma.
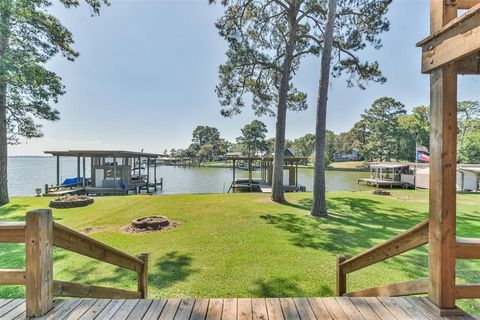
[(264, 165), (110, 172)]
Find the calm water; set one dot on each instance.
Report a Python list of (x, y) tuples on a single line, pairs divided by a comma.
[(27, 174)]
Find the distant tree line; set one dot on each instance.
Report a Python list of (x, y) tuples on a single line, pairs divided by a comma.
[(385, 132)]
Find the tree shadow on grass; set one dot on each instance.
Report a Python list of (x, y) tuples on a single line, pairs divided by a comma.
[(11, 208), (353, 224), (172, 267), (284, 287)]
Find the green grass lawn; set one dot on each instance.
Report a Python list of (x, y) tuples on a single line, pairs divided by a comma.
[(348, 165), (243, 245)]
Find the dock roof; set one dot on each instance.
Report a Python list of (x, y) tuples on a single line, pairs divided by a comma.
[(102, 153)]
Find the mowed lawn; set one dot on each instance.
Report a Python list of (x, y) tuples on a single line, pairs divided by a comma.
[(243, 245)]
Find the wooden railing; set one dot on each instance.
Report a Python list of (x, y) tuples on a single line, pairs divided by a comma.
[(40, 234), (466, 248)]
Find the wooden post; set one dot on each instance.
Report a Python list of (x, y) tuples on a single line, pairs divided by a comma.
[(148, 175), (39, 262), (78, 168), (143, 276), (155, 174), (443, 145), (114, 173), (58, 170), (233, 183), (341, 277), (84, 183)]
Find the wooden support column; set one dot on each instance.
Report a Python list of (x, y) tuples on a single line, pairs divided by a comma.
[(443, 145), (84, 183), (148, 175), (155, 174), (78, 168), (114, 173), (341, 277), (58, 170), (39, 262), (233, 182)]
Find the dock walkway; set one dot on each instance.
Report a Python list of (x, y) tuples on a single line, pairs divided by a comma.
[(399, 308)]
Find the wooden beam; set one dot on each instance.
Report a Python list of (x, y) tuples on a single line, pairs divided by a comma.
[(74, 241), (463, 4), (467, 291), (451, 50), (469, 65), (407, 240), (39, 262), (467, 248), (451, 41), (70, 289), (12, 232), (12, 277), (406, 288)]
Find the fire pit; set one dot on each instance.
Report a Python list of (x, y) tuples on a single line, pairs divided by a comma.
[(149, 224), (70, 201)]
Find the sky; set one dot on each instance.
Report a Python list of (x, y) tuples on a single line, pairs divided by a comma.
[(147, 72)]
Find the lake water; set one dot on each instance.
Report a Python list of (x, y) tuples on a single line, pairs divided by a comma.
[(25, 174)]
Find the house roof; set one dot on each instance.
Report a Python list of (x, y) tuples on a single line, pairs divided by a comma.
[(102, 153)]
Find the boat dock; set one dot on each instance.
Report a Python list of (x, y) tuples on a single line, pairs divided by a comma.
[(383, 183)]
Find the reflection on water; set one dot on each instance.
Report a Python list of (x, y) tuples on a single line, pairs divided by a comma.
[(27, 174)]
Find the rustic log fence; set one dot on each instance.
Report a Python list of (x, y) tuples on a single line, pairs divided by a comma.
[(40, 234)]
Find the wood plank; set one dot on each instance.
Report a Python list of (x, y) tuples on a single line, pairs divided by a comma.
[(12, 277), (67, 308), (319, 309), (407, 240), (155, 310), (467, 248), (140, 309), (74, 241), (334, 309), (4, 302), (410, 309), (425, 309), (245, 309), (229, 309), (259, 309), (184, 309), (39, 262), (215, 309), (81, 309), (15, 312), (379, 308), (70, 289), (12, 232), (57, 305), (170, 309), (394, 308), (394, 290), (274, 309), (349, 308), (110, 309), (94, 310), (125, 310), (304, 309), (289, 309), (200, 309), (365, 309)]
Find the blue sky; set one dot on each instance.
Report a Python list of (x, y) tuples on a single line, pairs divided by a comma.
[(147, 71)]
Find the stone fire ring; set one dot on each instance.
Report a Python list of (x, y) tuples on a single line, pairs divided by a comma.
[(150, 223), (70, 202)]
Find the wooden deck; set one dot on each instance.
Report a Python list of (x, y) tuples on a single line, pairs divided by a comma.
[(401, 308)]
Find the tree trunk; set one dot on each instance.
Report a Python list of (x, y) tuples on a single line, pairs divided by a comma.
[(278, 157), (4, 38), (319, 207)]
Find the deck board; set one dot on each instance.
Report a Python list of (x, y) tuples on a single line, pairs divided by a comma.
[(384, 308)]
